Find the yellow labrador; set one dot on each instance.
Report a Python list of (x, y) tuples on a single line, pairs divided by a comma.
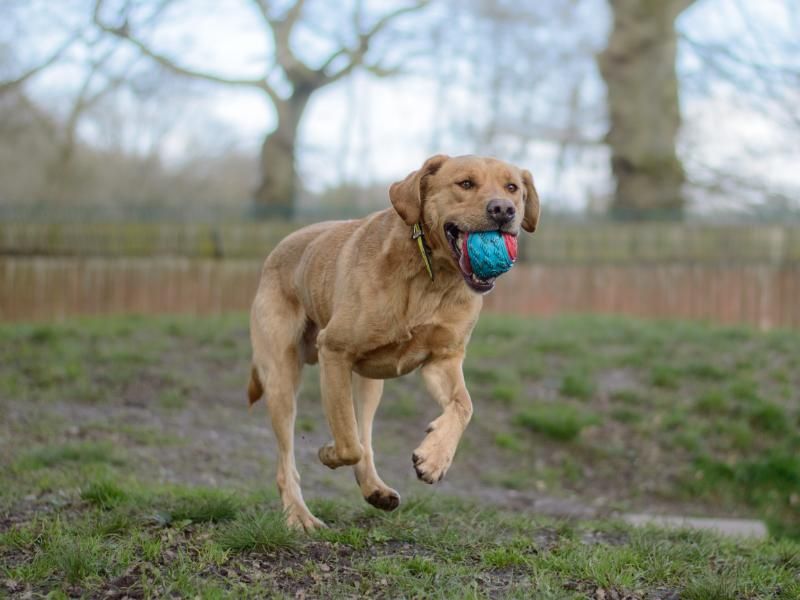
[(364, 299)]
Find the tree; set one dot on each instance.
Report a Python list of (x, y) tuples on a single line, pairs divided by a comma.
[(753, 66), (16, 82), (638, 66), (531, 95), (277, 190)]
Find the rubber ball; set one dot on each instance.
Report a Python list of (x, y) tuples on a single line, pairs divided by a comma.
[(491, 253)]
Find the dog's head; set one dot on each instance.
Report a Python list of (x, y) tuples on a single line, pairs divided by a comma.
[(451, 196)]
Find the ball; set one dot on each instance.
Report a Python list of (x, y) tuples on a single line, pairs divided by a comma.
[(490, 253)]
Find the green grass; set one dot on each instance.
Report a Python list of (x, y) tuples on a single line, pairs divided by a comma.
[(504, 557), (402, 406), (173, 399), (692, 392), (305, 424), (204, 506), (506, 393), (481, 374), (629, 397), (353, 537), (577, 384), (431, 547), (559, 422), (86, 452), (103, 493), (625, 414), (665, 376), (770, 481), (259, 531), (712, 402), (769, 417), (508, 441), (695, 417)]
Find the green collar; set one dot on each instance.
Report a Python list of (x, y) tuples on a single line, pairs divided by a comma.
[(424, 249)]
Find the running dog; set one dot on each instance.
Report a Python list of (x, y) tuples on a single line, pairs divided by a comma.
[(376, 298)]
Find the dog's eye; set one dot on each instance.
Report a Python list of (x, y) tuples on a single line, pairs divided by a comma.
[(512, 187), (467, 184)]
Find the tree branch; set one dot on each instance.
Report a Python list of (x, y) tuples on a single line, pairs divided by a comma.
[(7, 86), (123, 32), (280, 29), (263, 8), (84, 101), (357, 55)]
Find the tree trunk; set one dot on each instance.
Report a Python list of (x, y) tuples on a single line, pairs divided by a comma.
[(638, 67), (277, 192)]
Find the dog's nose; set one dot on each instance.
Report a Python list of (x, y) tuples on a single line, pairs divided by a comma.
[(501, 211)]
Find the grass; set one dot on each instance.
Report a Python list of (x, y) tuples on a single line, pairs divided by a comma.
[(771, 481), (665, 376), (259, 531), (699, 394), (769, 417), (103, 493), (441, 547), (625, 414), (173, 399), (206, 506), (103, 416), (507, 441), (713, 402), (577, 384), (563, 423), (88, 452), (629, 397), (504, 558), (401, 406), (505, 392)]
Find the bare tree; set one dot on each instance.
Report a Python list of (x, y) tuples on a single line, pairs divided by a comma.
[(753, 66), (638, 66), (526, 87), (16, 82), (277, 190)]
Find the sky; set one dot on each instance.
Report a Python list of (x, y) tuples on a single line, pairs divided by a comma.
[(376, 130)]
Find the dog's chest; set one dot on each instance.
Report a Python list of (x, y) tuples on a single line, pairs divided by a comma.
[(402, 355)]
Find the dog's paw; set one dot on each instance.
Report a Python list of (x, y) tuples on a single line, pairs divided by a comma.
[(431, 464), (302, 520), (384, 498), (333, 458)]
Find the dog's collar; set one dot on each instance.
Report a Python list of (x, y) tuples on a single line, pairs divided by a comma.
[(424, 249)]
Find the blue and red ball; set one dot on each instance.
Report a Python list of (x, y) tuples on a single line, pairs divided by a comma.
[(489, 253)]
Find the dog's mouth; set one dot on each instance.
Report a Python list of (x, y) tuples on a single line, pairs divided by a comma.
[(457, 239)]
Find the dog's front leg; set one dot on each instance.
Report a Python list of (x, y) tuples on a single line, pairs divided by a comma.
[(445, 382), (337, 400)]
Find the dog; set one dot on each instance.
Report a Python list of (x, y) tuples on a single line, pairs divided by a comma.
[(377, 298)]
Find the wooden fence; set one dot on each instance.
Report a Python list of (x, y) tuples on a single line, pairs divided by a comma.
[(727, 274), (552, 244)]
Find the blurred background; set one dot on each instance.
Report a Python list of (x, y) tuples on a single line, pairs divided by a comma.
[(152, 152), (189, 111), (207, 130)]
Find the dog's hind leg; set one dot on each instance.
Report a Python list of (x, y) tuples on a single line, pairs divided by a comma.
[(367, 396), (276, 327)]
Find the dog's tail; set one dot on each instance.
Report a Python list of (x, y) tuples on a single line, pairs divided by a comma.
[(254, 389)]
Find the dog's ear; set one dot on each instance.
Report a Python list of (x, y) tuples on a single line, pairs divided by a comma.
[(531, 200), (407, 195)]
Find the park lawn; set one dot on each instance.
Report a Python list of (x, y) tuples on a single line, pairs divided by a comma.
[(130, 465), (111, 536)]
